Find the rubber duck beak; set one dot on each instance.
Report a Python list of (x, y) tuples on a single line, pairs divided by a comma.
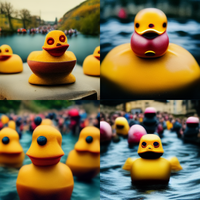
[(4, 57), (151, 33), (150, 53), (57, 51)]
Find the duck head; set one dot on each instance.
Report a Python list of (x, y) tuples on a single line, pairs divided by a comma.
[(5, 52), (150, 39), (45, 148), (9, 142), (56, 43), (150, 112), (4, 119), (121, 125), (89, 140), (96, 53), (150, 147), (192, 122)]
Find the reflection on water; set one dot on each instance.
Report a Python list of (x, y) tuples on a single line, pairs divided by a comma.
[(185, 33), (24, 44), (81, 190), (115, 183)]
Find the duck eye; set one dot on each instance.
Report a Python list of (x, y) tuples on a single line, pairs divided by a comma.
[(6, 50), (50, 41), (137, 25), (5, 140), (62, 38), (0, 50), (89, 139), (164, 24), (144, 144), (42, 140), (156, 144), (98, 51)]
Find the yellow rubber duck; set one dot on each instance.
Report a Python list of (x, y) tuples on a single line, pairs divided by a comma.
[(46, 177), (52, 65), (4, 119), (47, 122), (9, 63), (149, 64), (151, 168), (91, 64), (84, 160), (11, 152), (121, 126)]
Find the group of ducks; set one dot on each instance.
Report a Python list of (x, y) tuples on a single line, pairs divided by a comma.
[(51, 66), (149, 64), (151, 168), (46, 177)]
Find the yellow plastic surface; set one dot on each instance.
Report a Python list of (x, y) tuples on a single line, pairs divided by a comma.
[(47, 122), (150, 16), (94, 146), (173, 71), (150, 139), (4, 119), (49, 181), (122, 122), (11, 65), (11, 124), (175, 165), (11, 154), (84, 160), (45, 183), (91, 64)]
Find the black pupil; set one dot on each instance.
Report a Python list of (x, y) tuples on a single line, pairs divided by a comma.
[(0, 50), (5, 140), (42, 140), (164, 25), (7, 50), (89, 139), (155, 144), (137, 25), (144, 144)]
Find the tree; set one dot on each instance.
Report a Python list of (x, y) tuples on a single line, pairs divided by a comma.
[(7, 8), (25, 16)]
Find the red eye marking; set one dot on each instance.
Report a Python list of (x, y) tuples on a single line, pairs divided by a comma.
[(156, 144), (6, 50), (50, 41), (144, 144), (62, 38)]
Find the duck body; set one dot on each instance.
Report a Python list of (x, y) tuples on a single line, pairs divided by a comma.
[(45, 183), (150, 171), (91, 64), (84, 160), (46, 178), (9, 63), (146, 76), (52, 65), (11, 152)]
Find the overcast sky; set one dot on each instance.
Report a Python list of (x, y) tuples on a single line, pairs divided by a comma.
[(48, 9)]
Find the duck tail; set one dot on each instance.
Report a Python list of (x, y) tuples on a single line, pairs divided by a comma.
[(128, 164), (175, 165)]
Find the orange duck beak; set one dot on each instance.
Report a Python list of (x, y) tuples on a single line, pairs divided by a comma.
[(5, 52)]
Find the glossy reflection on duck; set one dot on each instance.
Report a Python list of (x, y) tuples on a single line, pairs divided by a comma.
[(121, 126), (11, 152), (9, 63), (91, 64), (84, 160), (53, 65), (46, 178), (149, 64), (151, 168)]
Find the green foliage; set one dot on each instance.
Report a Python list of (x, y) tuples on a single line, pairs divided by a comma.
[(53, 104), (11, 105)]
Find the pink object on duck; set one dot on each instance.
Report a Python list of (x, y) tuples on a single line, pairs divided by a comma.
[(105, 131), (192, 120), (150, 110), (135, 133)]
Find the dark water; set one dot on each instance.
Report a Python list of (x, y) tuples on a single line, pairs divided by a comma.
[(81, 190), (115, 183), (185, 33), (24, 44)]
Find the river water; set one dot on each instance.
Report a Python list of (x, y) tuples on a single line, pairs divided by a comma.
[(82, 190), (115, 183), (24, 44)]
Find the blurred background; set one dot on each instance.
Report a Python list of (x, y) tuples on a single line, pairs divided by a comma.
[(170, 123), (69, 117), (24, 25)]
